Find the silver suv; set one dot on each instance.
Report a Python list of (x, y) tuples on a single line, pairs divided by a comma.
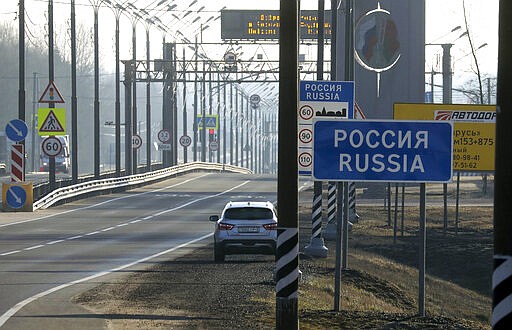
[(245, 227)]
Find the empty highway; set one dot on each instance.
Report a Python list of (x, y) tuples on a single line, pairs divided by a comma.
[(49, 255)]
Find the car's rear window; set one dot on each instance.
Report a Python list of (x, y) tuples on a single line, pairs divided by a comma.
[(248, 213)]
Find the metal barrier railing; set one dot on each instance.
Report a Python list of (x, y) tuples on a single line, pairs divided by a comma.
[(87, 187)]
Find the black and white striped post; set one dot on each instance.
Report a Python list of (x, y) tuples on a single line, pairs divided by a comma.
[(316, 247), (502, 275), (287, 256), (353, 216), (329, 232)]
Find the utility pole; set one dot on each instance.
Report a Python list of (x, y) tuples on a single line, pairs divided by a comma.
[(21, 75), (148, 101), (502, 274), (51, 160), (74, 101), (96, 7), (33, 127), (287, 256)]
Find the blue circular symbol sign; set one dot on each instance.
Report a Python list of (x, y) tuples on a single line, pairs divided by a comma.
[(16, 197), (16, 130)]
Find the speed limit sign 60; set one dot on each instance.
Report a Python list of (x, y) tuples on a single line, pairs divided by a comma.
[(51, 146)]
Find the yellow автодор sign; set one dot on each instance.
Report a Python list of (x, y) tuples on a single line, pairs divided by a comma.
[(474, 136)]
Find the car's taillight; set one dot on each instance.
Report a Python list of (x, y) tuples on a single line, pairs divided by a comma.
[(225, 226), (270, 226)]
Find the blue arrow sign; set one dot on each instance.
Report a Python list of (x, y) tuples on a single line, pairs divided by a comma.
[(399, 151), (16, 130), (16, 197)]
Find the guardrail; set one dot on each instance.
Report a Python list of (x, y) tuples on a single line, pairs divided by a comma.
[(127, 182)]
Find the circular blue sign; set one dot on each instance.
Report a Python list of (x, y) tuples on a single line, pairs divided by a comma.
[(16, 130), (16, 197)]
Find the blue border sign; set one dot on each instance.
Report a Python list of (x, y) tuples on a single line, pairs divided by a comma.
[(16, 130), (390, 151)]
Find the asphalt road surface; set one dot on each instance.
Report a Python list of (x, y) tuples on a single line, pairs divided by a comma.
[(50, 255)]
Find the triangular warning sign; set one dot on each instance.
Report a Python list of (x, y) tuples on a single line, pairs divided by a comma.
[(51, 94), (210, 122), (51, 124)]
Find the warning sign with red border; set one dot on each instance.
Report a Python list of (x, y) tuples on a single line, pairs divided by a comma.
[(53, 121), (51, 94)]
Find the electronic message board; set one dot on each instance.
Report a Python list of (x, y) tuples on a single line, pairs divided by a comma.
[(264, 24)]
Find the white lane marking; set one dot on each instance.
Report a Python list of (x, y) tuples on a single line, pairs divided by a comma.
[(13, 310), (33, 247), (74, 237), (104, 202), (202, 199), (138, 220), (11, 252), (55, 242)]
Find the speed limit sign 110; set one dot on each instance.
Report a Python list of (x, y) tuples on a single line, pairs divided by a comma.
[(51, 146)]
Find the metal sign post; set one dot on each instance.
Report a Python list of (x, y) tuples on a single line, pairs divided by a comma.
[(388, 151)]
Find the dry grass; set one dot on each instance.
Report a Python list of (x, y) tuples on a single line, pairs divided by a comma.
[(383, 276)]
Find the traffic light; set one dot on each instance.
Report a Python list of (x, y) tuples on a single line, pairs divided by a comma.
[(211, 135)]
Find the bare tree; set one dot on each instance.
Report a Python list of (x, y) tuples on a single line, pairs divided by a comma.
[(473, 52)]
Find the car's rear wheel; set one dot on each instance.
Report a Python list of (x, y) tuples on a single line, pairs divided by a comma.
[(218, 253)]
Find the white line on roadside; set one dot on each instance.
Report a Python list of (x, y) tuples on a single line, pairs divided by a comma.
[(138, 220), (102, 203), (74, 237), (11, 252), (55, 242), (33, 247), (13, 310)]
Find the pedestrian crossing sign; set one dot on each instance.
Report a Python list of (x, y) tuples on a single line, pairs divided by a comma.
[(212, 122), (53, 123)]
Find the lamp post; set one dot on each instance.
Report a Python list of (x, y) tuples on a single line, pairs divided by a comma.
[(96, 6), (134, 19), (117, 9), (74, 101), (148, 23), (21, 75)]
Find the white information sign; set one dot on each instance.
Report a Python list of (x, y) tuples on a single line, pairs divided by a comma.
[(333, 99)]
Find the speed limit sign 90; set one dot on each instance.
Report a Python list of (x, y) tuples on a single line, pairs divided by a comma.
[(51, 146)]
